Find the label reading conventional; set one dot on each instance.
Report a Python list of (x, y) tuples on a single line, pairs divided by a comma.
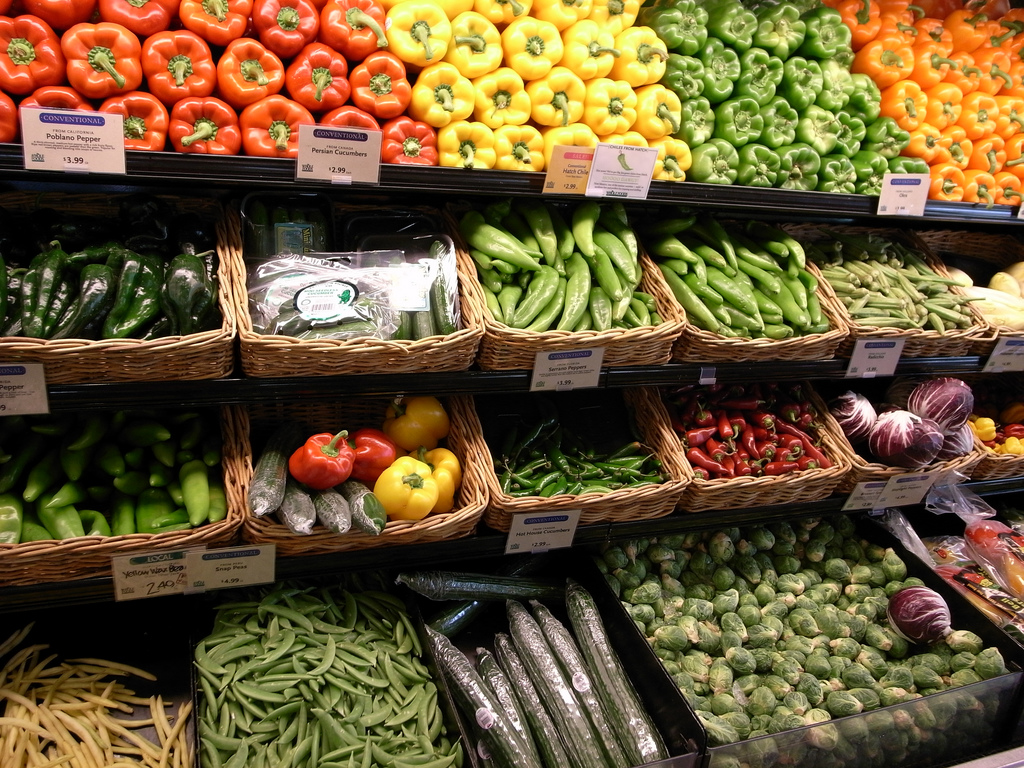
[(150, 574), (1008, 355), (570, 369), (874, 357), (533, 532), (23, 389), (904, 194), (568, 170), (72, 141), (338, 155), (229, 567)]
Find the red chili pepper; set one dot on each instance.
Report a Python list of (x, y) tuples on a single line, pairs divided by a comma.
[(763, 419), (788, 411), (810, 449), (760, 433), (749, 442), (717, 449), (701, 474), (788, 441), (781, 467), (806, 462), (698, 458), (730, 465), (765, 450), (724, 426), (1014, 430), (323, 461), (698, 436), (701, 416), (737, 421), (743, 469), (742, 404)]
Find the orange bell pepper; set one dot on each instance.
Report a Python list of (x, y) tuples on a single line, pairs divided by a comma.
[(351, 116), (906, 103), (143, 18), (204, 126), (954, 138), (218, 22), (103, 59), (967, 28), (929, 31), (988, 154), (938, 9), (8, 119), (270, 127), (380, 85), (145, 119), (177, 64), (57, 97), (30, 55), (978, 187), (930, 65), (354, 28), (965, 75), (947, 183), (1016, 73), (944, 105), (1007, 189), (248, 71), (1015, 156), (925, 143), (979, 114), (863, 17), (993, 63), (886, 60), (318, 78)]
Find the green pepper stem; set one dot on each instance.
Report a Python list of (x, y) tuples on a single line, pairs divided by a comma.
[(475, 43), (102, 60), (322, 79), (331, 449), (413, 480), (203, 129), (21, 51), (358, 19), (420, 32), (279, 131)]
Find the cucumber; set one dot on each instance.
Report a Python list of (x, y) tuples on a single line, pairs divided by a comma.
[(441, 300), (423, 325), (545, 734), (573, 666), (481, 706), (628, 716), (581, 743), (453, 585), (266, 489), (495, 679), (333, 511), (297, 510), (367, 512)]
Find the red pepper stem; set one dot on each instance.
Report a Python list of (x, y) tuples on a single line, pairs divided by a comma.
[(331, 449)]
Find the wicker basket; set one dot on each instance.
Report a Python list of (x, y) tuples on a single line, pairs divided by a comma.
[(89, 556), (864, 471), (918, 342), (461, 521), (622, 505), (271, 355), (806, 485), (1001, 389), (506, 348), (206, 355)]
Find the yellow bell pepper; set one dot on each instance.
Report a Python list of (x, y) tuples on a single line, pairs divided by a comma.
[(630, 138), (465, 144), (609, 106), (1011, 446), (518, 148), (502, 12), (572, 135), (501, 98), (557, 98), (441, 95), (532, 47), (562, 13), (418, 32), (1013, 413), (658, 111), (673, 159), (407, 489), (614, 15), (447, 472), (985, 429), (642, 56), (476, 45), (589, 51), (412, 422)]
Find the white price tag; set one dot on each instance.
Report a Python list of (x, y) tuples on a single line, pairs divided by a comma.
[(150, 574), (904, 490), (568, 169), (23, 389), (562, 371), (874, 357), (1008, 355), (1020, 211), (533, 532), (231, 567), (904, 194), (338, 155), (621, 170), (864, 495), (73, 141)]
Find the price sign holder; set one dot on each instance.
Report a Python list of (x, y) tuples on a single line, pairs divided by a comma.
[(568, 170), (906, 490), (338, 155), (1008, 355), (904, 194), (571, 369), (229, 567), (874, 357), (23, 389), (864, 495), (150, 574), (621, 170), (541, 532), (72, 141)]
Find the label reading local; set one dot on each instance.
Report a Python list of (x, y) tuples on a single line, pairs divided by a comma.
[(864, 495), (68, 140), (1008, 355), (231, 567), (874, 357), (341, 155), (571, 369), (150, 574), (904, 194), (904, 490), (568, 170), (541, 532), (23, 389), (621, 170)]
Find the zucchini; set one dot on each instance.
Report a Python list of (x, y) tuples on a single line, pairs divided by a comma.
[(575, 670), (495, 679), (297, 510), (333, 511), (630, 720), (453, 585), (367, 512), (545, 734), (266, 489), (481, 706), (581, 743)]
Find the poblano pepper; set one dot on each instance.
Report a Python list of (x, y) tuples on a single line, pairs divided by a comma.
[(96, 293), (187, 296), (682, 26), (780, 30), (738, 121), (38, 286), (684, 75), (837, 174), (802, 81), (798, 167), (698, 122), (780, 121), (759, 166), (721, 70), (138, 296), (760, 76), (714, 162)]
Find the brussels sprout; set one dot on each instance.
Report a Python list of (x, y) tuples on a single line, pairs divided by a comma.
[(695, 700), (857, 676), (671, 586), (964, 640), (962, 660), (776, 609), (730, 639), (763, 658), (900, 647), (777, 685), (845, 647), (742, 586), (749, 615), (725, 602), (665, 655), (964, 677), (721, 547), (866, 696), (852, 550), (744, 683), (817, 663), (844, 525), (838, 665), (785, 722), (614, 557), (791, 583), (878, 637), (893, 566), (789, 671), (932, 660), (698, 608), (700, 591), (680, 678), (671, 666), (913, 581), (785, 548), (806, 603), (842, 703), (688, 624), (785, 564), (701, 563), (926, 677), (860, 574), (719, 731), (873, 661), (814, 550), (695, 668), (613, 584), (783, 531), (723, 578), (838, 569), (747, 567), (989, 663), (739, 721), (797, 702), (724, 702), (761, 701), (629, 583), (761, 537), (858, 626), (797, 644), (802, 622), (809, 686), (890, 696), (868, 610), (642, 613), (689, 579), (760, 723), (897, 676), (673, 568), (671, 637), (659, 552), (647, 592), (709, 637), (765, 593)]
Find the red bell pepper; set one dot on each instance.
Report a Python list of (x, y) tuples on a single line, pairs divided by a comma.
[(30, 55), (374, 452), (380, 86), (178, 64), (145, 120), (408, 142), (317, 78), (323, 461), (143, 17), (204, 126), (61, 14), (57, 97), (248, 71), (1014, 430), (103, 59), (218, 22), (8, 119), (354, 28), (350, 116), (286, 26), (270, 127)]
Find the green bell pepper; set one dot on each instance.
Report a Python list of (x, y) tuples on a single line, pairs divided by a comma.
[(837, 86), (885, 137), (759, 166), (684, 76), (798, 167), (760, 75), (826, 34), (698, 122), (738, 121), (714, 162), (907, 165), (780, 30), (779, 123), (682, 26), (731, 22), (837, 174), (870, 167), (819, 128), (721, 70), (851, 133), (802, 81), (866, 99)]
